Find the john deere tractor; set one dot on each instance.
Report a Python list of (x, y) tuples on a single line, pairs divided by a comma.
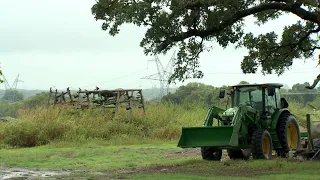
[(257, 122)]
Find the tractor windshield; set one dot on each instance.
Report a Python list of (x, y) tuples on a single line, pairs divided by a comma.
[(251, 96)]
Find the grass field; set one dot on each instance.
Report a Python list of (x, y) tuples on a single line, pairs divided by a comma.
[(87, 144), (159, 160)]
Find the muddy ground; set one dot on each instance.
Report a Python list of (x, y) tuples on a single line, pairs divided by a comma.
[(26, 174), (7, 173), (19, 173)]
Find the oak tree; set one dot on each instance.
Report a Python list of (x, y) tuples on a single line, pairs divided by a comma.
[(189, 24)]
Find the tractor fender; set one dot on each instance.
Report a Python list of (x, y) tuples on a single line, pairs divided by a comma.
[(275, 117)]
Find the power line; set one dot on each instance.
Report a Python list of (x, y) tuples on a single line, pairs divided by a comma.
[(117, 78), (170, 69), (259, 72), (298, 93)]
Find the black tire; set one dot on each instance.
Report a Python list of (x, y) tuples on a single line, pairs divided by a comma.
[(262, 144), (211, 153), (293, 142), (235, 154), (239, 154)]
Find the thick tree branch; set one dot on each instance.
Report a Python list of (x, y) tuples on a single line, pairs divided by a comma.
[(310, 49), (302, 13), (308, 34), (292, 45), (315, 82)]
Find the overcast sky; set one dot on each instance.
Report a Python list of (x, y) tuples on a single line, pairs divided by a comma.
[(59, 43)]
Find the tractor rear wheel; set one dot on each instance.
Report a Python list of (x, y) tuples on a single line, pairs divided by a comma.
[(262, 144), (288, 133), (211, 153)]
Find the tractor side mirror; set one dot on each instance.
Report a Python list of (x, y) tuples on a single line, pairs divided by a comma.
[(271, 91), (222, 93)]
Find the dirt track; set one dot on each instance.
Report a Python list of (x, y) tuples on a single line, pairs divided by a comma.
[(24, 173)]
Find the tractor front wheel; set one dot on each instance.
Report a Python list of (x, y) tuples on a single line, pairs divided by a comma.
[(262, 144), (211, 153)]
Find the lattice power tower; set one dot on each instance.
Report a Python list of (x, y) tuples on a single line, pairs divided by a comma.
[(14, 86), (163, 74)]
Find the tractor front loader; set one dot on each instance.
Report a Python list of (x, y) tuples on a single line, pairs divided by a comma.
[(257, 122)]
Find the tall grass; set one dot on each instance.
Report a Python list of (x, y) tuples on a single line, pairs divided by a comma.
[(300, 111), (41, 126), (162, 121)]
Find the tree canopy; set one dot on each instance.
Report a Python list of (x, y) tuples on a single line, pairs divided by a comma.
[(196, 93), (305, 97), (189, 24)]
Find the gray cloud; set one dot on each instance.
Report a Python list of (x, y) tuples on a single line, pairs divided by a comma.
[(58, 42), (58, 27)]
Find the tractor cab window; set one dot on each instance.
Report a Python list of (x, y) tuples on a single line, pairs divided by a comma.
[(251, 96), (271, 103)]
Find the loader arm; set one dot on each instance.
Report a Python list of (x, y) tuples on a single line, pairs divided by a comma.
[(222, 136), (213, 112), (242, 116)]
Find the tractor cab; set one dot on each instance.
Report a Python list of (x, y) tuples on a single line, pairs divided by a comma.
[(263, 97)]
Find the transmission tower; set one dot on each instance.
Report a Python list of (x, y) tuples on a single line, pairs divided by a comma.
[(12, 88), (163, 74)]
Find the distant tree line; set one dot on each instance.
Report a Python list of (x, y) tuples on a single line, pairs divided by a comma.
[(12, 95), (199, 93), (208, 95)]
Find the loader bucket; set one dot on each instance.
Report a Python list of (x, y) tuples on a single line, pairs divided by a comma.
[(218, 136)]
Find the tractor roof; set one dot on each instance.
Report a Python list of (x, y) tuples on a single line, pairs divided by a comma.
[(277, 85)]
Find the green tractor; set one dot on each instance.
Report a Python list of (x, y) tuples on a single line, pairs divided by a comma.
[(257, 123)]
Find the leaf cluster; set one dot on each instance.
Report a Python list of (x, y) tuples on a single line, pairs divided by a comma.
[(190, 24)]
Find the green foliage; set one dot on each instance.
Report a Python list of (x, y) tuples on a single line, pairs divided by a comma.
[(264, 50), (243, 82), (40, 99), (302, 98), (190, 24), (12, 96), (199, 93), (8, 109)]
